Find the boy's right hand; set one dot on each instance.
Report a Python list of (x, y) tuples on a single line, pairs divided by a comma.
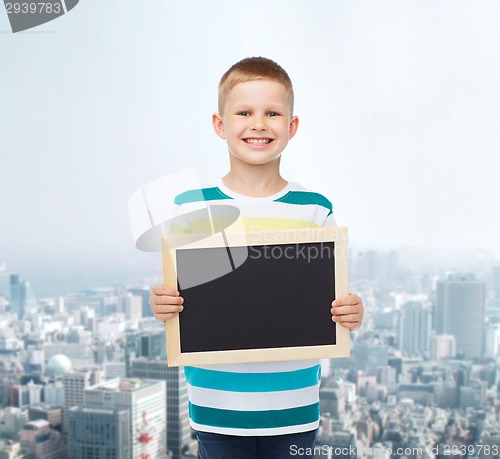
[(165, 302)]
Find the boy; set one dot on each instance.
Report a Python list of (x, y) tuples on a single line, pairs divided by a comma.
[(258, 410)]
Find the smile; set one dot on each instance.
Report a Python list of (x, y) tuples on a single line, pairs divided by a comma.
[(258, 141)]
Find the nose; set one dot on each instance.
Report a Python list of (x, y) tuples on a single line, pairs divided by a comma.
[(259, 123)]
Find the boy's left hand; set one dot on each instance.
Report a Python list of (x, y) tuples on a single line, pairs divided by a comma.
[(348, 311)]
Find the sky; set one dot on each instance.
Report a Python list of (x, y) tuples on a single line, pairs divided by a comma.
[(399, 107)]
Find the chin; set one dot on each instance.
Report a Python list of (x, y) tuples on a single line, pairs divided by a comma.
[(258, 162)]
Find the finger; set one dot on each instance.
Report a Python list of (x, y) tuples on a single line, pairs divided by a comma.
[(341, 310), (346, 300), (167, 308), (164, 299), (347, 318), (351, 325), (164, 290), (165, 317)]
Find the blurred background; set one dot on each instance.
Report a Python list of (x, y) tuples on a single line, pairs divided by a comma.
[(398, 103)]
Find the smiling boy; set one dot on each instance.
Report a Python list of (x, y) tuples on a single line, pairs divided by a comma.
[(257, 410)]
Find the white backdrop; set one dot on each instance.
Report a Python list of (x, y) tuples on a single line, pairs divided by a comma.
[(399, 105)]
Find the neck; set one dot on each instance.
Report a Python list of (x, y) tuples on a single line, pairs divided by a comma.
[(255, 180)]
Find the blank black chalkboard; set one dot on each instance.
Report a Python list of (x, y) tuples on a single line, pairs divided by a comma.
[(275, 299), (256, 296)]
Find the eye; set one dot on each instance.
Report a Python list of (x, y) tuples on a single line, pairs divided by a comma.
[(244, 113), (273, 114)]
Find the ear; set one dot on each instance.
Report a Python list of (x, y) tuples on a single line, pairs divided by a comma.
[(294, 125), (218, 125)]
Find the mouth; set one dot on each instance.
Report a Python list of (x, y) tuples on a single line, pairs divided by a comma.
[(258, 140)]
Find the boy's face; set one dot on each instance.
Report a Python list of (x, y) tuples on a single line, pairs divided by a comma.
[(257, 122)]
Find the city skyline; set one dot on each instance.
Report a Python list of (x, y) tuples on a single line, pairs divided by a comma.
[(406, 385)]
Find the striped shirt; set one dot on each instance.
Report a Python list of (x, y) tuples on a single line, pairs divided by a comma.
[(266, 398)]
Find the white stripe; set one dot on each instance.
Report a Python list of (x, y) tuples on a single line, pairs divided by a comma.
[(279, 210), (283, 210), (253, 401), (256, 432), (263, 367)]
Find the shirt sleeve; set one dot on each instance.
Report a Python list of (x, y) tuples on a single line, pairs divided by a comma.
[(330, 221)]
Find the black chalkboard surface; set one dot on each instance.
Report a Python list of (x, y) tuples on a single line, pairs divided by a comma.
[(268, 299), (272, 300)]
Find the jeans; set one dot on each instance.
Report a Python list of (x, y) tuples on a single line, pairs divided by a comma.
[(217, 446)]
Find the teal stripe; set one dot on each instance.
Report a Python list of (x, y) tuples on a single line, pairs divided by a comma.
[(254, 419), (253, 382), (203, 194), (305, 198)]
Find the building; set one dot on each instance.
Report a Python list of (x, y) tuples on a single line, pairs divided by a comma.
[(74, 387), (443, 347), (490, 436), (414, 328), (144, 293), (10, 449), (446, 394), (332, 397), (18, 295), (35, 362), (145, 402), (419, 393), (19, 396), (177, 410), (96, 433), (58, 365), (492, 340), (150, 344), (460, 311), (369, 355), (114, 370), (340, 444), (131, 306), (13, 420), (386, 375), (39, 439), (54, 393), (473, 396), (51, 414)]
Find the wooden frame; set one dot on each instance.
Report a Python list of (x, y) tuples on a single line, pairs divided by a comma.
[(337, 235)]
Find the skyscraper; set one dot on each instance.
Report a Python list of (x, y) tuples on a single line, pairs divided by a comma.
[(460, 311), (150, 344), (414, 328), (369, 355), (96, 433), (495, 284), (443, 346), (17, 295), (74, 387), (177, 410), (145, 402)]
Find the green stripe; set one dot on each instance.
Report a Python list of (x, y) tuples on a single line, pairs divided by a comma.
[(253, 382), (254, 419), (305, 198), (203, 194)]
